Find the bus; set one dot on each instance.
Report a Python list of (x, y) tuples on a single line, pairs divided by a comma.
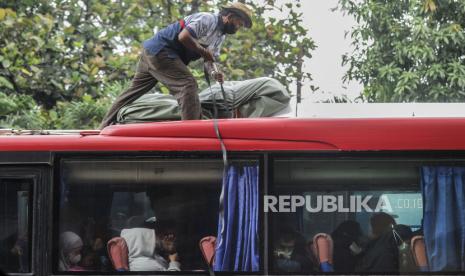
[(293, 196)]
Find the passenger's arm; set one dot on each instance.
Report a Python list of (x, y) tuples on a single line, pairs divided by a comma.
[(191, 43), (174, 264)]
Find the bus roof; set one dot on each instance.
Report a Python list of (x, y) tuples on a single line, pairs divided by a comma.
[(264, 134), (375, 110)]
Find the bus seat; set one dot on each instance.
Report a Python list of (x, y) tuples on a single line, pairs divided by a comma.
[(418, 248), (118, 253), (207, 246), (322, 248)]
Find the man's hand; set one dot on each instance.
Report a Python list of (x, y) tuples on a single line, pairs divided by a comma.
[(214, 72), (173, 257), (219, 77)]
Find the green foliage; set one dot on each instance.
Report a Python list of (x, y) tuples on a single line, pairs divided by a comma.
[(9, 104), (273, 47), (62, 50), (87, 113), (408, 50), (62, 56), (21, 112)]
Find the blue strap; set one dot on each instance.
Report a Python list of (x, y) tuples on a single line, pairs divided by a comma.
[(326, 267)]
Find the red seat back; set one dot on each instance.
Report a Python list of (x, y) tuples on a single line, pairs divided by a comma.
[(207, 246), (118, 253), (322, 248), (418, 248)]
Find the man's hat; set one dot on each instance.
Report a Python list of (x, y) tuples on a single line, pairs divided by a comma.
[(241, 10)]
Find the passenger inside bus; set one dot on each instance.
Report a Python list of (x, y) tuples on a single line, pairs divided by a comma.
[(91, 227), (361, 242), (196, 213), (93, 251), (404, 235), (151, 246), (13, 250), (70, 252), (15, 219), (381, 253), (98, 197), (348, 244), (99, 211), (291, 253)]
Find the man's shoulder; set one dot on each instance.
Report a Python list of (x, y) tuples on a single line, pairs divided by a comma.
[(202, 15), (207, 14)]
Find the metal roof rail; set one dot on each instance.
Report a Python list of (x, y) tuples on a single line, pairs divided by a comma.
[(14, 132)]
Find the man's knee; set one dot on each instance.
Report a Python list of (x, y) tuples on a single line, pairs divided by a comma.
[(191, 84), (188, 88), (188, 100)]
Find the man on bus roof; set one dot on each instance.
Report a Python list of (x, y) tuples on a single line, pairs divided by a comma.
[(164, 58)]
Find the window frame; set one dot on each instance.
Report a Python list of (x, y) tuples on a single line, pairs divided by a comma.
[(38, 176), (45, 167), (429, 157), (257, 157)]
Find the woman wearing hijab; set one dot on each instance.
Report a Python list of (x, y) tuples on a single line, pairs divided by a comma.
[(70, 252)]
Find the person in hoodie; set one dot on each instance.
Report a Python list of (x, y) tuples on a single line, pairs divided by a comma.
[(70, 252), (347, 246), (151, 249)]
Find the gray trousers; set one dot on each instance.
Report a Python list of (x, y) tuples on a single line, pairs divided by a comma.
[(171, 72)]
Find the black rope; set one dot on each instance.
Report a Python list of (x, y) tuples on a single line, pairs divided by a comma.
[(223, 149), (215, 117)]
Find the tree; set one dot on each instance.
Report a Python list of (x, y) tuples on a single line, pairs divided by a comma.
[(408, 50), (65, 53), (62, 50)]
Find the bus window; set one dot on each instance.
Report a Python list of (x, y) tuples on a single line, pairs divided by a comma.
[(15, 220), (161, 209), (366, 211)]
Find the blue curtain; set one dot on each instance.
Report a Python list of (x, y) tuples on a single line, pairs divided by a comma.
[(237, 247), (444, 217)]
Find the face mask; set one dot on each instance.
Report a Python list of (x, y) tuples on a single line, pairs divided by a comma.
[(75, 259), (355, 249), (229, 28), (286, 254)]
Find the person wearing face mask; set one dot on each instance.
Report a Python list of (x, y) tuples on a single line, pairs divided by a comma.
[(347, 239), (165, 57), (290, 254), (70, 252)]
